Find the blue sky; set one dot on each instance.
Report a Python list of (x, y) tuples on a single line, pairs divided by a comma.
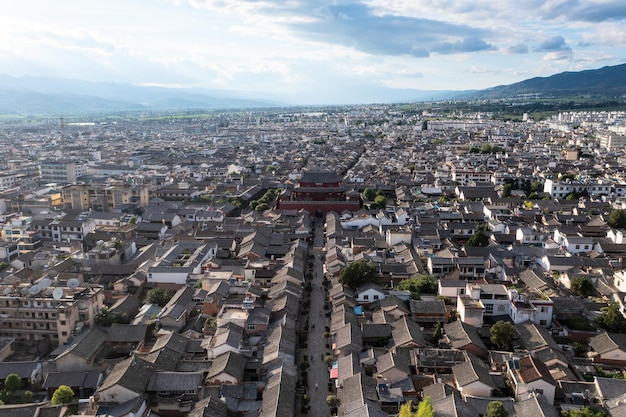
[(306, 51)]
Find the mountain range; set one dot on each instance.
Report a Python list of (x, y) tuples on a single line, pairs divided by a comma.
[(31, 95), (609, 81)]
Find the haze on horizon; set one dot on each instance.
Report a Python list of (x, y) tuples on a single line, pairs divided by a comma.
[(310, 52)]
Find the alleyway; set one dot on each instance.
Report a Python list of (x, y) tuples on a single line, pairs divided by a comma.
[(318, 372)]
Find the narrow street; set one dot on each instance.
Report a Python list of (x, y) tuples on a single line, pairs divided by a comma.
[(318, 372)]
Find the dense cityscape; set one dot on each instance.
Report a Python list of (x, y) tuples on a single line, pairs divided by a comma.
[(376, 260)]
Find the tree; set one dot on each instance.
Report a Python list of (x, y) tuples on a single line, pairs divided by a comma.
[(425, 408), (501, 334), (381, 201), (369, 194), (13, 382), (582, 286), (478, 239), (158, 296), (496, 409), (405, 410), (419, 284), (584, 412), (612, 319), (63, 395), (617, 218), (358, 273), (438, 332), (506, 190)]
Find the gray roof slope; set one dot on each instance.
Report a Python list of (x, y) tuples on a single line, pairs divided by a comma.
[(175, 381), (472, 371), (461, 334), (126, 333), (606, 342), (87, 346), (132, 374), (230, 363)]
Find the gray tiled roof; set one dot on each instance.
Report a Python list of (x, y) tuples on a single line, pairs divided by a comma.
[(209, 407), (230, 363), (132, 374), (461, 335), (126, 333), (606, 342), (472, 371), (175, 381)]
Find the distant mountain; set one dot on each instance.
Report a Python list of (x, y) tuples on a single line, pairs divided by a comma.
[(608, 81), (43, 95)]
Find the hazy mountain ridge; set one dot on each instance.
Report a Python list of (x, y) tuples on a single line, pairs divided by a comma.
[(609, 81), (43, 95)]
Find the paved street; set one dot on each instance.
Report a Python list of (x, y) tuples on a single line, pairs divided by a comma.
[(318, 372)]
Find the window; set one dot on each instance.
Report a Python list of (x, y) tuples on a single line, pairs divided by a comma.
[(577, 246), (250, 326), (62, 322), (63, 333), (543, 322), (501, 307), (543, 309), (376, 297), (489, 308), (366, 297)]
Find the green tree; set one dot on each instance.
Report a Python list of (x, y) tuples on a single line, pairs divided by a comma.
[(381, 201), (13, 382), (425, 408), (63, 395), (438, 332), (405, 410), (582, 286), (506, 190), (584, 412), (358, 273), (617, 218), (158, 296), (27, 397), (496, 409), (501, 334), (419, 284), (536, 186), (369, 194), (478, 239), (611, 319)]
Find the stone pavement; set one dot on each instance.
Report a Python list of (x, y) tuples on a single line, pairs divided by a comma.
[(318, 371)]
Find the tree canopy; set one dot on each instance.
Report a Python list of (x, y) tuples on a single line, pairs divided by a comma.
[(501, 334), (425, 408), (358, 273), (496, 409), (612, 319), (582, 286), (584, 412), (369, 194), (617, 218), (63, 395), (419, 284), (158, 296), (478, 239), (381, 201), (13, 382)]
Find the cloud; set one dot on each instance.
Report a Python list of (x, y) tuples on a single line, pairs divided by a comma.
[(356, 26), (520, 48), (471, 44), (588, 11), (553, 44)]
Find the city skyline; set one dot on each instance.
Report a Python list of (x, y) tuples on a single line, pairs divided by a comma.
[(305, 52)]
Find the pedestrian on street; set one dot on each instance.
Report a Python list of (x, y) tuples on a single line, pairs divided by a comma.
[(316, 386)]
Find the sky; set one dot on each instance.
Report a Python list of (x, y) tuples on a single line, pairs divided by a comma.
[(310, 51)]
